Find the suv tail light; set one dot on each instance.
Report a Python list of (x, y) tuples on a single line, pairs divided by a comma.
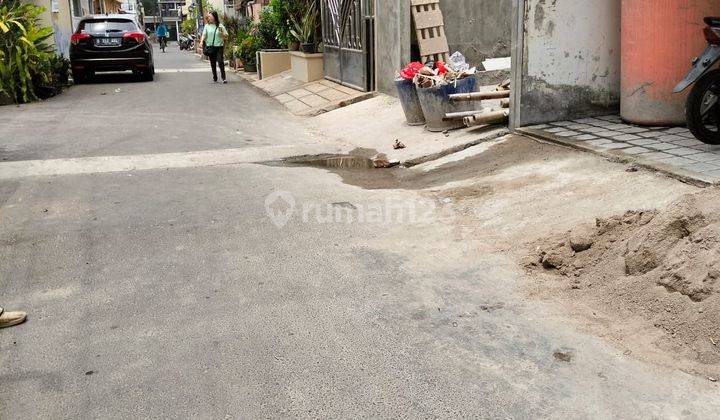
[(712, 35), (76, 38), (136, 36)]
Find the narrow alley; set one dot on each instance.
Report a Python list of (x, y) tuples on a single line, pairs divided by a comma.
[(184, 260)]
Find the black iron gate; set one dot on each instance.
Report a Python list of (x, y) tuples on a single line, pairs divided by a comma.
[(349, 62)]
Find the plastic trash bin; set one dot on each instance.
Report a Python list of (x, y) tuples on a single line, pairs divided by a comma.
[(435, 103), (410, 103)]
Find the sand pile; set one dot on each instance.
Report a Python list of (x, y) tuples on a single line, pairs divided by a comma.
[(661, 266)]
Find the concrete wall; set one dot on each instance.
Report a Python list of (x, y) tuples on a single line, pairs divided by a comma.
[(477, 28), (61, 22), (571, 59), (392, 41)]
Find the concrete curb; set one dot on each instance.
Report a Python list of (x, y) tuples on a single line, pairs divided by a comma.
[(332, 107), (492, 134), (674, 172)]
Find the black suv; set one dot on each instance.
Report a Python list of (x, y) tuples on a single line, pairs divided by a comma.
[(110, 43)]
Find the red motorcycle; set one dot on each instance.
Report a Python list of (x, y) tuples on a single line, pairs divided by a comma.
[(703, 104)]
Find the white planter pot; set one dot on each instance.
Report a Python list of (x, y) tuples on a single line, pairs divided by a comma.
[(306, 67)]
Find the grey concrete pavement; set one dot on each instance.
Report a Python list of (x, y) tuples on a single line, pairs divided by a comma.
[(182, 110), (168, 292)]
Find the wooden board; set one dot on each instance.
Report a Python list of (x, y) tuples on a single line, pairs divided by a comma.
[(430, 30)]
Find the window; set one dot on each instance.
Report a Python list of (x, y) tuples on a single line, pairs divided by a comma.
[(106, 25)]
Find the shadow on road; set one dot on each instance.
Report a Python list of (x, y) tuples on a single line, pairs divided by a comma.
[(114, 77)]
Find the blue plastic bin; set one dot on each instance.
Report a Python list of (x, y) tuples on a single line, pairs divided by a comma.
[(435, 103), (410, 103)]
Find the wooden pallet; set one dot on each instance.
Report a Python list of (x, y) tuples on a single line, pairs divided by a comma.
[(430, 30)]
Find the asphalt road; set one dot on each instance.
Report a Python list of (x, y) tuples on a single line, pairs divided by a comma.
[(169, 292)]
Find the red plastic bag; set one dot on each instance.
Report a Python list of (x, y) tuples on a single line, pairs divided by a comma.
[(409, 72), (441, 67)]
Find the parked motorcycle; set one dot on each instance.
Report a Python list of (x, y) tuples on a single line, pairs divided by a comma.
[(702, 110), (186, 42)]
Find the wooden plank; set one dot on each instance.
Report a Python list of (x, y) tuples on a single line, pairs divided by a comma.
[(492, 117), (423, 2), (430, 29), (461, 114), (429, 19), (479, 96), (431, 46)]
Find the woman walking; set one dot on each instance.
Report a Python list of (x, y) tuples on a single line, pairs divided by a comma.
[(213, 42)]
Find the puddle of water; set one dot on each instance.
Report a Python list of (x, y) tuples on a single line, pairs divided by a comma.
[(334, 162), (356, 168)]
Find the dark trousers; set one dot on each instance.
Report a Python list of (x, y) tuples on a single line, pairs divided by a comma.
[(218, 57)]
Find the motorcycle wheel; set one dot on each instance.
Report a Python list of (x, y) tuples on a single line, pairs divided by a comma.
[(703, 108)]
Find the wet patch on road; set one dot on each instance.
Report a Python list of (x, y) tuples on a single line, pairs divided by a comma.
[(356, 167)]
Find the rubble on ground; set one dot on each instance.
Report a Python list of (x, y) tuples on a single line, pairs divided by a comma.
[(663, 266)]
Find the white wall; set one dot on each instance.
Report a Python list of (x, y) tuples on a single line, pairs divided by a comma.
[(571, 59), (218, 5)]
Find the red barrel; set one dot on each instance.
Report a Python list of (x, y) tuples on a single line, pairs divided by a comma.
[(659, 40)]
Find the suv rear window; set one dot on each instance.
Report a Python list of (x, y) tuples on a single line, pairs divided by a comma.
[(103, 26)]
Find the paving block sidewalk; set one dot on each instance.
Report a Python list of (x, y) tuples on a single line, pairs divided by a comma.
[(306, 99), (673, 150)]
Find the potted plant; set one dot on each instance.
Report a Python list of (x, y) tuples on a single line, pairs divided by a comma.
[(236, 54), (304, 30), (248, 50)]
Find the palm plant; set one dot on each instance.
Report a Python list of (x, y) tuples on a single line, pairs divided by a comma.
[(304, 30), (25, 58)]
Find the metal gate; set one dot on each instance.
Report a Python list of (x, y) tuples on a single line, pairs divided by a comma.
[(349, 62)]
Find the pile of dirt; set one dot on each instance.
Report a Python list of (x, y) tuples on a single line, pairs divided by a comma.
[(662, 267)]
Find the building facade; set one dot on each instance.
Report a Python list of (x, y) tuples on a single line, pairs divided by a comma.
[(169, 12), (63, 16)]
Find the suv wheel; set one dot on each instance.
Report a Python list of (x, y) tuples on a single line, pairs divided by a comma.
[(78, 77), (149, 74)]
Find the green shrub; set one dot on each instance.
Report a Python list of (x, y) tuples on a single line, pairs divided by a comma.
[(234, 25), (282, 13), (266, 31), (247, 49), (188, 26), (25, 57), (281, 20)]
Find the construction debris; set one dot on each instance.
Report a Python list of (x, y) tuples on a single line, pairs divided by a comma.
[(434, 73), (461, 114), (381, 160), (479, 96), (439, 73), (497, 63), (488, 117)]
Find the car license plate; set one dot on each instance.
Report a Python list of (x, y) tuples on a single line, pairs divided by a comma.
[(107, 42)]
